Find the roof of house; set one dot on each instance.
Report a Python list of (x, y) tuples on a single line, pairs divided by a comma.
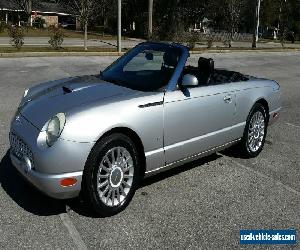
[(48, 7), (6, 4), (38, 6)]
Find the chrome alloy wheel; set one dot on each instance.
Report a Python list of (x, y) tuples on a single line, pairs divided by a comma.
[(256, 131), (115, 176)]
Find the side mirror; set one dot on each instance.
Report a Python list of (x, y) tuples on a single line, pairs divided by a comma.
[(189, 80)]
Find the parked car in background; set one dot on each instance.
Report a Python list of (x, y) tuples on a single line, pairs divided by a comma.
[(149, 111)]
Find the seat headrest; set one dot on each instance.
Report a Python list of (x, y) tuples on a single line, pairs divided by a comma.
[(170, 59), (206, 65)]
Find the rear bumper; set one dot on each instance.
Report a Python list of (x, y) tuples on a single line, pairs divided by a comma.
[(49, 183)]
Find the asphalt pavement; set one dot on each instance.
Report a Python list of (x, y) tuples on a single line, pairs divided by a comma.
[(201, 205)]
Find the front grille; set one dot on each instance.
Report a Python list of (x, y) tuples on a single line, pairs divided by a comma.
[(19, 148)]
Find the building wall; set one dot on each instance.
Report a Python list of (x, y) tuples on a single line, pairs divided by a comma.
[(49, 20)]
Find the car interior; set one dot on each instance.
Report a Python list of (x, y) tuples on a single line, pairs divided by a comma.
[(208, 75)]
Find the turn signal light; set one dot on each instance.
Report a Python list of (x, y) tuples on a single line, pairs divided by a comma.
[(67, 182)]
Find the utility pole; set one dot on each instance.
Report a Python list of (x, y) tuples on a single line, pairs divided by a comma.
[(150, 16), (119, 26), (255, 35)]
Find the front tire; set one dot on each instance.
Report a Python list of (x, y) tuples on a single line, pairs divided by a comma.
[(255, 132), (112, 174)]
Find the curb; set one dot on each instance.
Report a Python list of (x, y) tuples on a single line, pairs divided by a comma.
[(244, 50), (58, 54)]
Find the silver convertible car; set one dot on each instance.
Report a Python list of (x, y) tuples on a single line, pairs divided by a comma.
[(149, 111)]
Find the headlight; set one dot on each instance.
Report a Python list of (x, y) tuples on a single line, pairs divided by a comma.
[(54, 128)]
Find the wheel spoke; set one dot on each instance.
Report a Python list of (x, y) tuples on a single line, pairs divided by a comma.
[(108, 195), (113, 156), (105, 191), (128, 175), (118, 154), (122, 190), (103, 176), (104, 168), (118, 195), (126, 184), (107, 161), (113, 197), (103, 184)]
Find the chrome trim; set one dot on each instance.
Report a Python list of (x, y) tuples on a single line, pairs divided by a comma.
[(182, 143), (169, 166), (151, 104), (193, 139), (154, 152)]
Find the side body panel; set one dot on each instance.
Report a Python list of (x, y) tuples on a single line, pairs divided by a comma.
[(196, 120), (247, 93)]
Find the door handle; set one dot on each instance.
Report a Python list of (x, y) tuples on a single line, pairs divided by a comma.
[(227, 99)]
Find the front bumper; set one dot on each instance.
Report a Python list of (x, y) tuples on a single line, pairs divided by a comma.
[(48, 165), (49, 183)]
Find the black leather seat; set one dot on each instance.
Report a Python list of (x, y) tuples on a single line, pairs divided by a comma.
[(170, 60), (206, 69)]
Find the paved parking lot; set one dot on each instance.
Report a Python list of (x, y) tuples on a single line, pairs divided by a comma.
[(202, 205)]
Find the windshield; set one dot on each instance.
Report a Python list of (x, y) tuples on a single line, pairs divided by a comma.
[(147, 67)]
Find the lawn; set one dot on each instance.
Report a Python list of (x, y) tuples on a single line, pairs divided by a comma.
[(33, 32), (49, 49), (101, 49)]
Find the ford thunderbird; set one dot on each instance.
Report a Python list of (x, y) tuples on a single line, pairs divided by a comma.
[(149, 111)]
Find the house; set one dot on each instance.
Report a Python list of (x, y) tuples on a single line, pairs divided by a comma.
[(52, 13)]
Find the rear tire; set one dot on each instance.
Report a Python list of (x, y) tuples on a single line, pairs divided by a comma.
[(112, 174), (255, 132)]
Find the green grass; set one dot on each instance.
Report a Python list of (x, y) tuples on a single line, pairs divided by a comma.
[(243, 48), (32, 32), (49, 49), (100, 49)]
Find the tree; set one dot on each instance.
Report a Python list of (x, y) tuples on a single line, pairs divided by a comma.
[(150, 16), (233, 11), (26, 6), (85, 10), (257, 23)]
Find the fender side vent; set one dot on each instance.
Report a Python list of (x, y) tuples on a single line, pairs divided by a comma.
[(66, 90)]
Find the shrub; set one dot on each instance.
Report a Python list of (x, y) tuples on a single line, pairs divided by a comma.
[(16, 35), (2, 26), (38, 22), (227, 43), (192, 40), (210, 41), (56, 37)]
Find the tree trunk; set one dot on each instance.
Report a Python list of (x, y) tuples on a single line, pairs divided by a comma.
[(85, 35), (29, 10), (150, 14), (255, 34)]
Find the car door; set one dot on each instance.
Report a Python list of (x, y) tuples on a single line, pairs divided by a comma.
[(196, 120)]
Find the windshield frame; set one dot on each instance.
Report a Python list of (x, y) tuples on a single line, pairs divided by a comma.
[(127, 57)]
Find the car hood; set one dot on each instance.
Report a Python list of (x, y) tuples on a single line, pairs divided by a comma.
[(46, 100)]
